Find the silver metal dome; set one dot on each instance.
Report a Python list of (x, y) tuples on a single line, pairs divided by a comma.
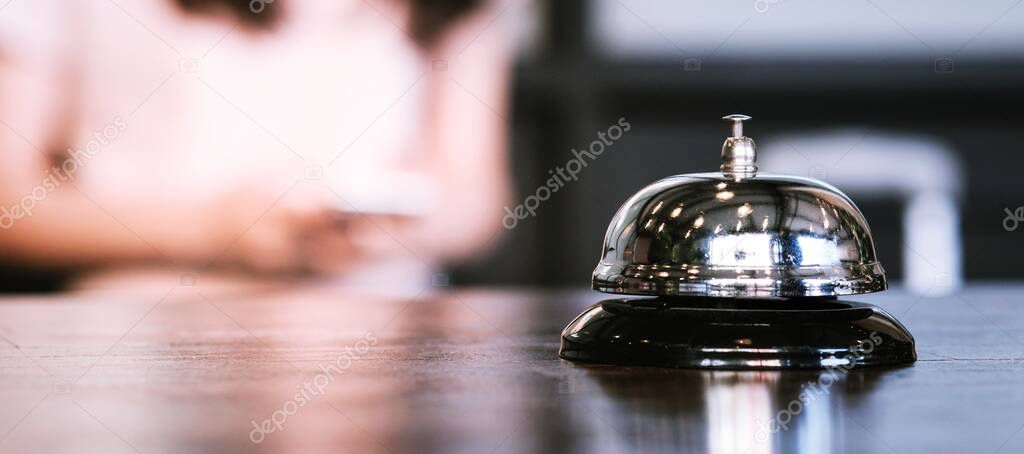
[(739, 234)]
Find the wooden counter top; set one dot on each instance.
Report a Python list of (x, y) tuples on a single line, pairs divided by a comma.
[(185, 368)]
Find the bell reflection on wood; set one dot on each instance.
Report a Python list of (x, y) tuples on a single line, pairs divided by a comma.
[(747, 268), (724, 411)]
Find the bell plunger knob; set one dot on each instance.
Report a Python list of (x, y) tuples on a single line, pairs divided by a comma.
[(739, 154)]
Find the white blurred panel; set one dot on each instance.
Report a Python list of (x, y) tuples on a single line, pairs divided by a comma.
[(743, 28)]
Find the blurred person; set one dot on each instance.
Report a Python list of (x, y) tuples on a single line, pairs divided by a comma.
[(268, 136)]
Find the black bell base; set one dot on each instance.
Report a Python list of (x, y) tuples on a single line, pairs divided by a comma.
[(715, 333)]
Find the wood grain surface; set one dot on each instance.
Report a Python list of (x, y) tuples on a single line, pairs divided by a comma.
[(172, 367)]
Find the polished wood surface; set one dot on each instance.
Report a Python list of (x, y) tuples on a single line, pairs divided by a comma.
[(188, 368)]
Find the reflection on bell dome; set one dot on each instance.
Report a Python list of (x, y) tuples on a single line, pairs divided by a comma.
[(801, 237)]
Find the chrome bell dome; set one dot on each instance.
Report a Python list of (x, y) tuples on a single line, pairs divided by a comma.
[(737, 233)]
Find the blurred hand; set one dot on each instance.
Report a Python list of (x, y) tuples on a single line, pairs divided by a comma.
[(303, 232), (256, 228)]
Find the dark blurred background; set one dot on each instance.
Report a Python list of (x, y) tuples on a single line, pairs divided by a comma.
[(948, 72)]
